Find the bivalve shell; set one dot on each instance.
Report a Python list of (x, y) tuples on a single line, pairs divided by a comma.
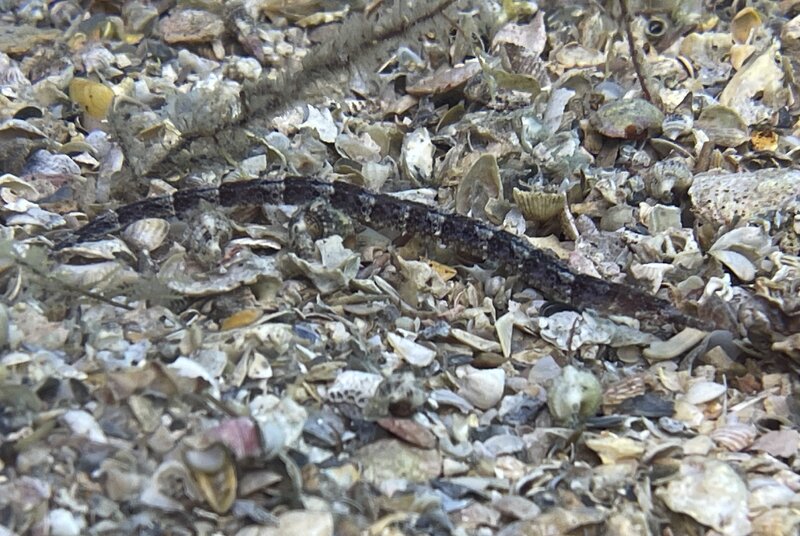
[(735, 436), (702, 392), (147, 234), (712, 493), (744, 23), (628, 119), (540, 206), (723, 126)]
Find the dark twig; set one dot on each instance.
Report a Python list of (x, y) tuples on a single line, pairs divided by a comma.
[(637, 58)]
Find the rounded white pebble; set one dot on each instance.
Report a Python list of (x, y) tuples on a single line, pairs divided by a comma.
[(64, 523)]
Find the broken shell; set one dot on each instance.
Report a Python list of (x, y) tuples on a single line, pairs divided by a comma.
[(624, 389), (660, 218), (251, 268), (703, 391), (744, 23), (82, 423), (668, 175), (209, 460), (98, 273), (723, 125), (147, 234), (399, 395), (473, 341), (653, 272), (767, 493), (479, 185), (354, 387), (761, 76), (413, 353), (481, 387), (740, 54), (168, 486), (711, 492), (612, 448), (765, 140), (93, 96), (675, 346), (676, 125), (782, 521), (736, 263), (617, 217), (740, 250), (504, 326), (628, 119)]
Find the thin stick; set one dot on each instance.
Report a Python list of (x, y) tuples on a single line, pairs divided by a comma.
[(638, 59)]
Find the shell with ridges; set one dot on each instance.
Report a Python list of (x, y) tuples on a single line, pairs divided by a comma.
[(540, 206), (735, 436), (147, 234)]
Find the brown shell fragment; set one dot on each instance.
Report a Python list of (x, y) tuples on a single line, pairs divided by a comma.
[(628, 119), (744, 24)]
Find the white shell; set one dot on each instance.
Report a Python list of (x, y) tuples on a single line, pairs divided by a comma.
[(482, 387), (702, 392), (147, 234), (473, 341), (413, 353), (417, 156)]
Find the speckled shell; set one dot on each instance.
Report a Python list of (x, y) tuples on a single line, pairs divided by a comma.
[(628, 119)]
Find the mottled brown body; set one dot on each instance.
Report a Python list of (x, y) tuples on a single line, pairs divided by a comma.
[(536, 267)]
